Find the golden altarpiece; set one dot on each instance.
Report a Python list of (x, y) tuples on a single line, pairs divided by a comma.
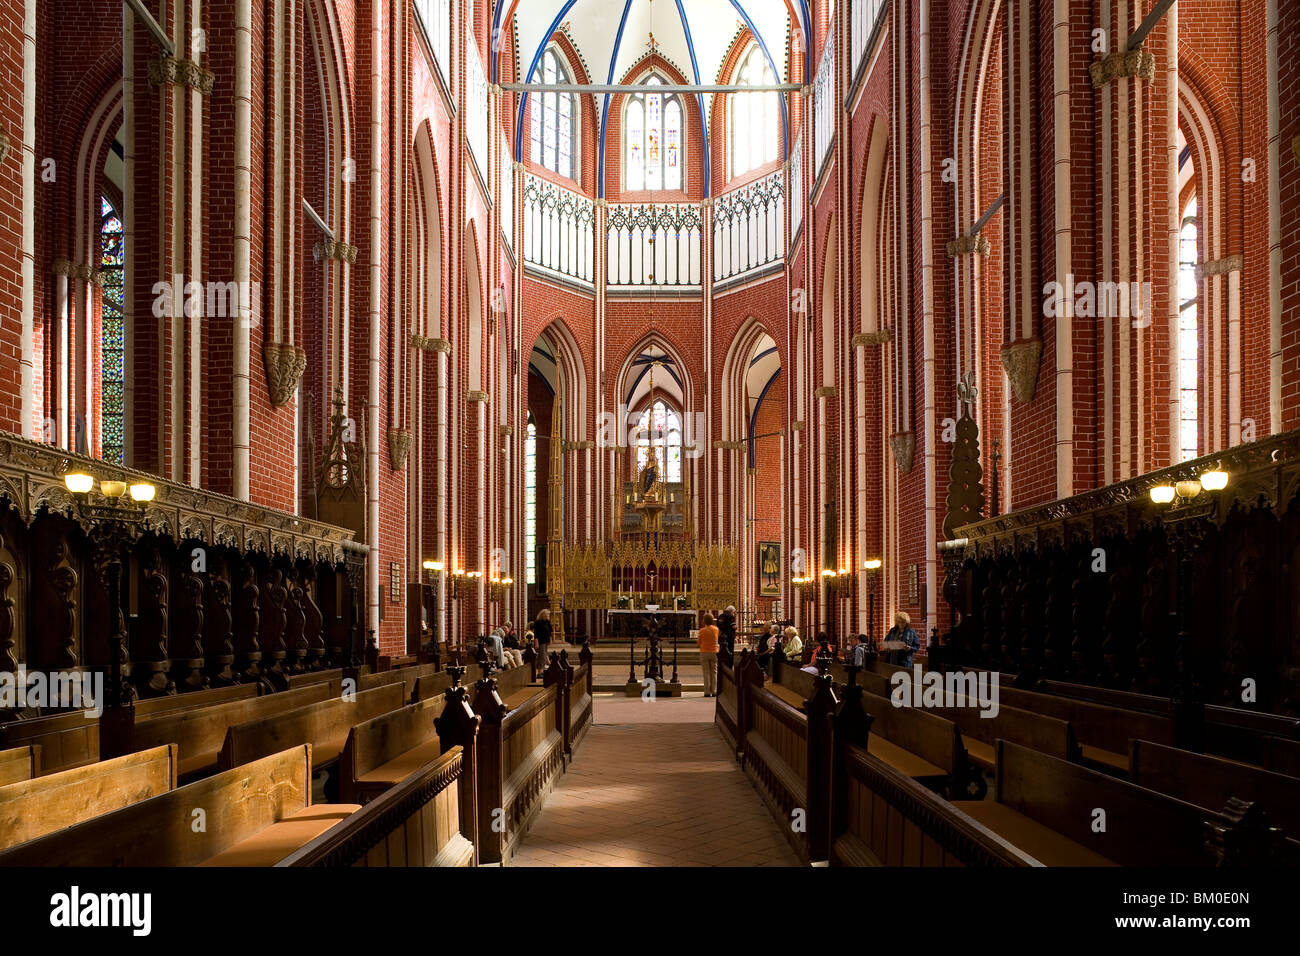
[(651, 560)]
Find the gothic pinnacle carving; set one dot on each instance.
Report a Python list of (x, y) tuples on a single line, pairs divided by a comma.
[(1020, 361), (285, 363)]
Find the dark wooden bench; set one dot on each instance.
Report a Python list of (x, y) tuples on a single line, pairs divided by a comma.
[(408, 677), (323, 724), (32, 808), (201, 731), (430, 686), (256, 815), (979, 734), (1282, 756), (19, 763), (1235, 732), (154, 706), (66, 740), (1103, 733), (332, 678), (1210, 781), (1047, 808), (425, 820), (383, 751), (916, 742)]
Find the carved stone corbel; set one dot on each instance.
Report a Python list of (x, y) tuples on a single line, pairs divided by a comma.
[(903, 444), (1020, 362), (872, 338), (1138, 64), (970, 245), (4, 146), (285, 363), (399, 444), (336, 250)]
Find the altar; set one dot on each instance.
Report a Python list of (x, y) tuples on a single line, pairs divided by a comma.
[(630, 623)]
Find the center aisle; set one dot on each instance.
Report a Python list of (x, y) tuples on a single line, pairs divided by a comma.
[(654, 784)]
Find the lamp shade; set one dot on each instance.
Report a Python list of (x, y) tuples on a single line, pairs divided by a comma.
[(112, 488), (143, 491), (78, 482), (1189, 488), (1215, 480), (1162, 494), (872, 564)]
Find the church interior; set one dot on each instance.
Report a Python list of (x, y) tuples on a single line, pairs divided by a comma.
[(650, 433)]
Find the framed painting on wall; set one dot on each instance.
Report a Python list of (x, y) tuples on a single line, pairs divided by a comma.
[(769, 568)]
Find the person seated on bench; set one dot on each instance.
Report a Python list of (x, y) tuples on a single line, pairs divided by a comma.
[(793, 645), (858, 652), (767, 645), (510, 646), (902, 632), (496, 647)]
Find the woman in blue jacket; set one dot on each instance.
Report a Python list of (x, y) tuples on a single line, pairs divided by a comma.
[(902, 631)]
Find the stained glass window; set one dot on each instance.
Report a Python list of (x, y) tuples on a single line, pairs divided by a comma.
[(660, 428), (652, 139), (112, 342), (554, 119), (1188, 341), (755, 117), (530, 502)]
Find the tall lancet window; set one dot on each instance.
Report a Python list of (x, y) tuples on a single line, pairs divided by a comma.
[(112, 339), (530, 502), (653, 139), (755, 117), (660, 428), (1188, 337), (554, 119)]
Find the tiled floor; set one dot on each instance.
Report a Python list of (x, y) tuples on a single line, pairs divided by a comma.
[(653, 784)]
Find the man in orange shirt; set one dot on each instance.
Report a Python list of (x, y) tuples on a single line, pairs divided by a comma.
[(707, 636)]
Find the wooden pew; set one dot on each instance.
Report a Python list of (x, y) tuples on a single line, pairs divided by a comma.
[(383, 751), (155, 706), (408, 677), (20, 763), (1046, 807), (66, 740), (879, 816), (581, 699), (1209, 782), (332, 678), (785, 751), (32, 808), (69, 740), (256, 815), (519, 754), (1103, 733), (430, 686), (201, 731), (418, 822), (1282, 756), (979, 734), (727, 704), (323, 724), (1235, 732)]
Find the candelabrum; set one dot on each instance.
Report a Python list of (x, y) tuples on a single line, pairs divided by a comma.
[(872, 567), (1191, 508)]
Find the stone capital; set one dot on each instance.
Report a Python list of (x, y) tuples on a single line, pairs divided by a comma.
[(1137, 64), (4, 145), (61, 267), (476, 395), (903, 445), (507, 431), (970, 245), (872, 338), (177, 71), (1219, 267), (798, 426), (335, 250), (826, 391)]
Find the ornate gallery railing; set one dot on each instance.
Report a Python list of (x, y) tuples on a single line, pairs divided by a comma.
[(654, 244), (748, 227), (796, 185), (435, 17), (559, 227), (824, 105), (866, 14)]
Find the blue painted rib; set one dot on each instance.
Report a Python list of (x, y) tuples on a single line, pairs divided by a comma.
[(807, 40), (753, 418), (642, 374), (604, 111), (699, 97), (785, 112), (494, 41), (528, 77)]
